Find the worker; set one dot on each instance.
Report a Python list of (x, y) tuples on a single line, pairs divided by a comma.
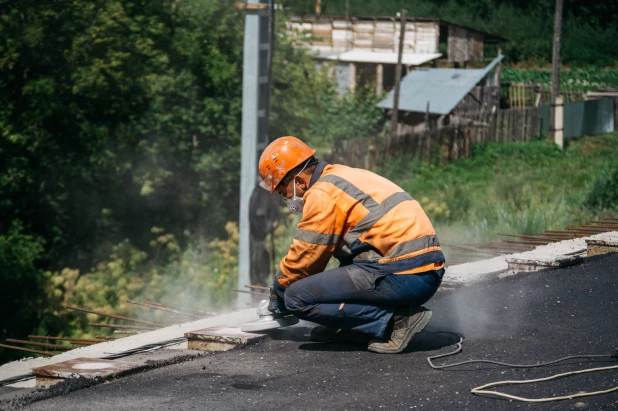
[(390, 259)]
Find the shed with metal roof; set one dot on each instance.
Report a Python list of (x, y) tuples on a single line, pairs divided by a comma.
[(442, 88)]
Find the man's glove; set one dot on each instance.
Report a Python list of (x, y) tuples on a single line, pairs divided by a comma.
[(275, 303)]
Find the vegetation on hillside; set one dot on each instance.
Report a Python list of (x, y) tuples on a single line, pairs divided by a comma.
[(587, 79)]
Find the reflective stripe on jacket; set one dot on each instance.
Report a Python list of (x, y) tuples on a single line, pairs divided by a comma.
[(356, 214)]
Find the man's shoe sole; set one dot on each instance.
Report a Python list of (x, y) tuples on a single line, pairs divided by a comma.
[(421, 323)]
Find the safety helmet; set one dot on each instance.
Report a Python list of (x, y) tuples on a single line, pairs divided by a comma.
[(281, 156)]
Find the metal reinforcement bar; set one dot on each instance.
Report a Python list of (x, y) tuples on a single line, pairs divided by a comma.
[(183, 309), (129, 327), (80, 341), (169, 310), (44, 345), (105, 337), (585, 230), (558, 232), (559, 236), (528, 238), (12, 347), (126, 332), (470, 249), (603, 224), (118, 317), (249, 292), (257, 287)]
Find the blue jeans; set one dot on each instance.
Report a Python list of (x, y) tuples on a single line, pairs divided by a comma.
[(351, 298)]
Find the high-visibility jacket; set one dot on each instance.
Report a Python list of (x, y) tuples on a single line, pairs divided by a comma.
[(357, 215)]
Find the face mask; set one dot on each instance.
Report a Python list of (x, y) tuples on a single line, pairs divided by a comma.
[(296, 204)]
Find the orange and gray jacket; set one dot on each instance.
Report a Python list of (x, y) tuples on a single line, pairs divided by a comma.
[(363, 218)]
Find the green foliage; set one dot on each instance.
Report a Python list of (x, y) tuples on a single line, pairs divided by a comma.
[(200, 277), (19, 283), (590, 78), (604, 193)]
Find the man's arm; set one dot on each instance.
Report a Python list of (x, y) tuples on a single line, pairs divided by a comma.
[(317, 236)]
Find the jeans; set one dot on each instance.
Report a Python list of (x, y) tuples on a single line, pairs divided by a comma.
[(351, 298)]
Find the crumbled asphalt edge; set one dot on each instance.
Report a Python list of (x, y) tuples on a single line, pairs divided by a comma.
[(73, 384)]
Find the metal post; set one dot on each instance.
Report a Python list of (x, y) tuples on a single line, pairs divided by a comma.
[(255, 101), (379, 79), (394, 118), (555, 75), (498, 68), (351, 76), (558, 126)]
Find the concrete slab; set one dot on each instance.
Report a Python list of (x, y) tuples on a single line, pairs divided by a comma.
[(24, 367), (517, 264), (220, 338), (80, 367), (596, 247), (465, 274)]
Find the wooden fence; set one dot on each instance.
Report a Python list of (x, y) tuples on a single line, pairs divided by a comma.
[(520, 95), (442, 144)]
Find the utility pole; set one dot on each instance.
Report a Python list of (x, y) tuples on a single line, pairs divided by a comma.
[(318, 8), (402, 33), (257, 54), (347, 9), (556, 120)]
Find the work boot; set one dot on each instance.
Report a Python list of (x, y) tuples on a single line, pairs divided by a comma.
[(322, 333), (407, 322)]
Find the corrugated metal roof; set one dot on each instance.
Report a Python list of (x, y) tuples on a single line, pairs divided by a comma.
[(442, 88), (381, 57)]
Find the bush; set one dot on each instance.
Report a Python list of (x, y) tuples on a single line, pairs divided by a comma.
[(604, 193), (20, 297)]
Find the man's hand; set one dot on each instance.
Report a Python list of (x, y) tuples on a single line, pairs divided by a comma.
[(276, 305)]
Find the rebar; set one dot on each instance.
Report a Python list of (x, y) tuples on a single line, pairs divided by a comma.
[(183, 309), (80, 341), (528, 237), (249, 292), (589, 231), (258, 287), (560, 236), (126, 332), (606, 227), (130, 327), (469, 249), (169, 310), (105, 337), (44, 345), (118, 317), (12, 347)]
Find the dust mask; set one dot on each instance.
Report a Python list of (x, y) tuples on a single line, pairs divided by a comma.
[(296, 204)]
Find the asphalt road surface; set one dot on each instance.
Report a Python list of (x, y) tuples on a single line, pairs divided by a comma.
[(525, 319)]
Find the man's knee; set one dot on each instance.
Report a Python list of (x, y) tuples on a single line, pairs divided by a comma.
[(296, 298)]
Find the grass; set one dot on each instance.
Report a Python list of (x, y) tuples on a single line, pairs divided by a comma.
[(586, 79), (517, 188)]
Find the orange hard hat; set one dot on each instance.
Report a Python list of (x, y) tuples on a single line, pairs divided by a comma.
[(281, 156)]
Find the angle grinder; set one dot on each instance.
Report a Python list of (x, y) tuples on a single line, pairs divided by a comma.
[(268, 320)]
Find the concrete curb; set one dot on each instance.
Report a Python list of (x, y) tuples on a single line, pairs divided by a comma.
[(546, 256)]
